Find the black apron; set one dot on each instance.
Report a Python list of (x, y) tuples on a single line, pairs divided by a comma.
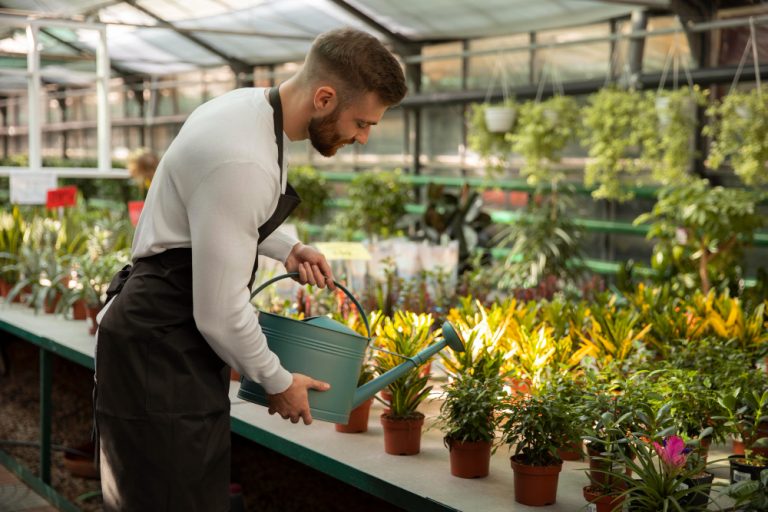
[(162, 393)]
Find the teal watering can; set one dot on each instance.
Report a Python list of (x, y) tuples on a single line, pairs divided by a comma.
[(330, 351)]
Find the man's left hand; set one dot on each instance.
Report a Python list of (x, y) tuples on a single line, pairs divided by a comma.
[(311, 265)]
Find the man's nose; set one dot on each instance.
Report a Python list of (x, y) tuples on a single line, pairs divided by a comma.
[(362, 135)]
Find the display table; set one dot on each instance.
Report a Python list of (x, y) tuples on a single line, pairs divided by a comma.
[(419, 482)]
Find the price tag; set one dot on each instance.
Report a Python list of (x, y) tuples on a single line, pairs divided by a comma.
[(30, 187), (62, 196), (343, 250), (134, 211), (740, 476)]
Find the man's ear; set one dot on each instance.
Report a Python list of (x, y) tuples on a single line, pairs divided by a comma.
[(325, 99)]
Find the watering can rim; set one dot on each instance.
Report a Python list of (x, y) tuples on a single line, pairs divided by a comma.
[(316, 326), (339, 285)]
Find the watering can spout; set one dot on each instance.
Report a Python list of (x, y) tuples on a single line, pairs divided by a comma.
[(451, 338)]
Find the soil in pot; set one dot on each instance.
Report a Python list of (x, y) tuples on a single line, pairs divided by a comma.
[(535, 486), (358, 419), (469, 459), (402, 436)]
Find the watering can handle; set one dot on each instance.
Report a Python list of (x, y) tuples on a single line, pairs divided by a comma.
[(347, 292)]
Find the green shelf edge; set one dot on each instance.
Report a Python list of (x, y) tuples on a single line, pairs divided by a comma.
[(41, 488), (49, 345), (363, 481)]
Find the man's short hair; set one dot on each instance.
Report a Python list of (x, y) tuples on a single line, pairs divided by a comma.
[(355, 63)]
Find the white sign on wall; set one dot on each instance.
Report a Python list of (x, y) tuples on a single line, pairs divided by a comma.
[(30, 187)]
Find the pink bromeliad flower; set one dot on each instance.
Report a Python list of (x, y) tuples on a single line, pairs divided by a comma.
[(672, 452)]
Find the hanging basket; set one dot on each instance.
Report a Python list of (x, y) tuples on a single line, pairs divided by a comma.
[(499, 119)]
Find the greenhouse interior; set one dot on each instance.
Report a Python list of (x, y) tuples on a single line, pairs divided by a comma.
[(520, 265)]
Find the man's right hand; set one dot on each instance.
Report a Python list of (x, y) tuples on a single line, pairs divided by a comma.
[(293, 403)]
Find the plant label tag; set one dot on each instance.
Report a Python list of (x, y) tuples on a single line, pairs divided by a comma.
[(31, 187), (592, 507), (134, 211), (343, 250), (62, 196), (740, 476)]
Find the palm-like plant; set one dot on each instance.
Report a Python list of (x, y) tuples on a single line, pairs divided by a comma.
[(400, 337)]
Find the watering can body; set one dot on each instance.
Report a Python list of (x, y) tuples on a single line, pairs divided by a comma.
[(329, 351)]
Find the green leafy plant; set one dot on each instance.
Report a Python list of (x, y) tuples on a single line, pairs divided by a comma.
[(615, 123), (746, 414), (543, 242), (670, 151), (493, 148), (739, 129), (311, 186), (468, 411), (701, 232), (377, 202), (537, 426), (750, 495), (544, 129)]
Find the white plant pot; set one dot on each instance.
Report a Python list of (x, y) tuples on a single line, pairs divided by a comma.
[(744, 112), (499, 119)]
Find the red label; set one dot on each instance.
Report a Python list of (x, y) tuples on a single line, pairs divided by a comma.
[(62, 196), (134, 211)]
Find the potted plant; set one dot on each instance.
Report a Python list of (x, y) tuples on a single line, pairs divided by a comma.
[(701, 232), (403, 336), (376, 203), (665, 476), (492, 146), (746, 413), (537, 425), (468, 419), (358, 417), (311, 186), (544, 129), (750, 495), (739, 129), (670, 151), (94, 276), (615, 123), (12, 229)]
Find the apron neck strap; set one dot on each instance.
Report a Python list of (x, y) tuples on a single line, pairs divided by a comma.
[(277, 113)]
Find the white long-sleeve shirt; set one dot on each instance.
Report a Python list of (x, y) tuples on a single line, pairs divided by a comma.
[(217, 183)]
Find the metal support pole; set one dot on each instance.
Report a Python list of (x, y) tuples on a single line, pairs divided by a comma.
[(46, 375), (33, 92), (103, 123), (636, 45)]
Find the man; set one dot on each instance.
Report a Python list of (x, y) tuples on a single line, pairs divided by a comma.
[(182, 312)]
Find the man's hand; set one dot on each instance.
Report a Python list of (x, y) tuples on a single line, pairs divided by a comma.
[(293, 403), (311, 265)]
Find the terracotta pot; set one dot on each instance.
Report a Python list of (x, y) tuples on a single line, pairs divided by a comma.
[(471, 459), (519, 386), (602, 502), (234, 374), (598, 467), (535, 486), (358, 419), (79, 310), (426, 369), (571, 452), (5, 287), (703, 449), (402, 436), (82, 465), (50, 304), (738, 446), (92, 312)]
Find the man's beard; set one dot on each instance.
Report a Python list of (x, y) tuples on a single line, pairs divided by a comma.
[(323, 135)]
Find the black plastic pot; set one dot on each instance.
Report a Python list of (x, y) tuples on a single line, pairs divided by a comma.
[(700, 499), (741, 471)]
